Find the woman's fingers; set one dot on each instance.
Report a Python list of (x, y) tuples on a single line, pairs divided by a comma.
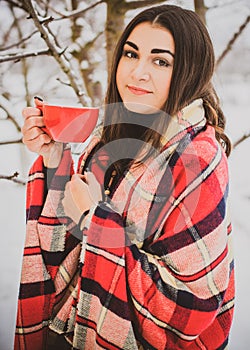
[(33, 136), (94, 187), (77, 176), (31, 133), (28, 112), (39, 144), (32, 121), (73, 201), (39, 102), (91, 179), (36, 139)]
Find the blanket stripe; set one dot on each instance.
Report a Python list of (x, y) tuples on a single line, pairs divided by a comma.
[(153, 269)]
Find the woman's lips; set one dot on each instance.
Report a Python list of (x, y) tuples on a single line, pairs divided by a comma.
[(138, 91)]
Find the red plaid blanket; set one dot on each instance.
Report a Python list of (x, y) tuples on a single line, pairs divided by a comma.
[(155, 268)]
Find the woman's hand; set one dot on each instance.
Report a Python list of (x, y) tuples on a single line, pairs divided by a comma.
[(36, 139), (81, 193)]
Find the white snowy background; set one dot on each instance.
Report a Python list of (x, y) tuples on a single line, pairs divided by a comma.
[(232, 81)]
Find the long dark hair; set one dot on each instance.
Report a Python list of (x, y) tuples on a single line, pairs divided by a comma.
[(191, 78)]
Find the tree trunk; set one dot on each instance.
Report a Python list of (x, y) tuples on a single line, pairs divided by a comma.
[(201, 9), (115, 23)]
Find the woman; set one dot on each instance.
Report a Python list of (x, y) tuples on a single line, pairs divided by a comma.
[(134, 251)]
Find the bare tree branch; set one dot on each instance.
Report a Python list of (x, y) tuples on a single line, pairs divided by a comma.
[(82, 53), (241, 139), (75, 13), (9, 110), (232, 41), (13, 120), (7, 34), (56, 52), (10, 142), (13, 178), (63, 82), (133, 5), (24, 63), (19, 42), (17, 57), (13, 3)]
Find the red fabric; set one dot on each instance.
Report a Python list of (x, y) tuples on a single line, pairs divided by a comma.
[(173, 290)]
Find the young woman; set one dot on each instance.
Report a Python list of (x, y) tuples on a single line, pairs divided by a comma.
[(134, 251)]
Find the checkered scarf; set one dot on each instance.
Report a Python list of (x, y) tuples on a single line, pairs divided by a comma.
[(153, 270)]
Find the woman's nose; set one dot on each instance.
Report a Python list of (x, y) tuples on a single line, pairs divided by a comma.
[(141, 71)]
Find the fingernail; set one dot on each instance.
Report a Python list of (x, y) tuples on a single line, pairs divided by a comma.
[(38, 98)]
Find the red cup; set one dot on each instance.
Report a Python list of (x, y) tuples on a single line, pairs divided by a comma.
[(69, 124)]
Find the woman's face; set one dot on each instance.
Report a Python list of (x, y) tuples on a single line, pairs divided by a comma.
[(145, 69)]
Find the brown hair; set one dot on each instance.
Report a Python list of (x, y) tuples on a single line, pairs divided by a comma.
[(192, 72)]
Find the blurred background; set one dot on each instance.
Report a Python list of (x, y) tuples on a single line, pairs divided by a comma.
[(61, 50)]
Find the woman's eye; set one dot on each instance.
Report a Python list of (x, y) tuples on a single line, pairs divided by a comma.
[(129, 54), (161, 62)]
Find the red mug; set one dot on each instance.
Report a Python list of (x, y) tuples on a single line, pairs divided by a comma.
[(69, 124)]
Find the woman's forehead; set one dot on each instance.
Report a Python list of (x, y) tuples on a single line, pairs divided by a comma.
[(152, 37)]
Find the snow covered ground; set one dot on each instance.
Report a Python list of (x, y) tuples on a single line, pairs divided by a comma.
[(233, 84)]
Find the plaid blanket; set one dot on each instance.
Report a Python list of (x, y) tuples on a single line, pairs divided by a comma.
[(154, 270)]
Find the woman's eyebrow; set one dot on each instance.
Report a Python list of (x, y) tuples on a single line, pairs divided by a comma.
[(162, 51), (134, 46)]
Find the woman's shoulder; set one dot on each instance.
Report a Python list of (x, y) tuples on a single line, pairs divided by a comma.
[(203, 158), (206, 146)]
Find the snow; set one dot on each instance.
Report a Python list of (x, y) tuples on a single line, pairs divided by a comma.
[(232, 81)]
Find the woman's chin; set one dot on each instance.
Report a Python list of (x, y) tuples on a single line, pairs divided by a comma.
[(140, 108)]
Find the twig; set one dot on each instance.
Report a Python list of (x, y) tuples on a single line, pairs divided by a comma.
[(133, 5), (75, 13), (10, 142), (241, 139), (18, 43), (13, 178), (62, 82), (24, 63), (6, 105), (13, 3), (46, 20), (17, 57), (61, 59), (13, 120), (232, 41)]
